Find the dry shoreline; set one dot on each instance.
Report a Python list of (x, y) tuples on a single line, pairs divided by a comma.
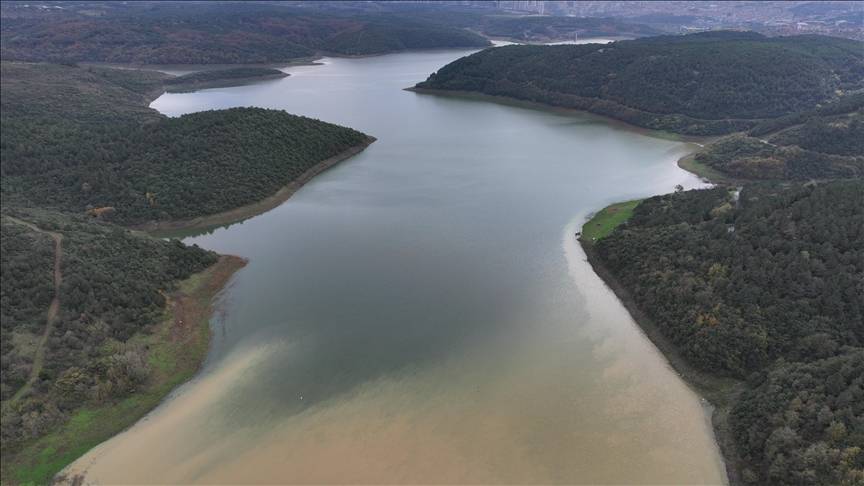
[(256, 208)]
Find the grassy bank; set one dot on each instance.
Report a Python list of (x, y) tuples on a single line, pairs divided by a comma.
[(177, 347), (607, 219)]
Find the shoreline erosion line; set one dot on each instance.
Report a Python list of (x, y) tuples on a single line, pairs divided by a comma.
[(539, 105), (686, 161)]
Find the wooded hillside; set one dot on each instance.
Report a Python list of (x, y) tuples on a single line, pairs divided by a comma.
[(699, 84), (766, 287), (824, 143), (113, 286), (211, 33)]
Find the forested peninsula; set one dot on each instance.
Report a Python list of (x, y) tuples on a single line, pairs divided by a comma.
[(220, 78), (100, 322), (82, 139), (700, 84)]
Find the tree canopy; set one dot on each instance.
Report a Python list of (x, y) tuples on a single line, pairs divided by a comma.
[(214, 33), (766, 286), (824, 143), (113, 287), (78, 139), (699, 84)]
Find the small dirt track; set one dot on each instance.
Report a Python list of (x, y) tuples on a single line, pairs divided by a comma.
[(53, 309)]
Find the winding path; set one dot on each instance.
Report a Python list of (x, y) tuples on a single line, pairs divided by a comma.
[(53, 310)]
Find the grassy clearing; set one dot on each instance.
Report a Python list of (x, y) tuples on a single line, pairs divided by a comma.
[(178, 346), (607, 220)]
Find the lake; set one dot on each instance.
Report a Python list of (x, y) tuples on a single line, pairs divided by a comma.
[(422, 312)]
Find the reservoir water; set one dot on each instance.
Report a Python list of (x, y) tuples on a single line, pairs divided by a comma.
[(422, 313)]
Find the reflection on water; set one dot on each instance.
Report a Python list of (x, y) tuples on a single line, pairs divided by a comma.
[(421, 313)]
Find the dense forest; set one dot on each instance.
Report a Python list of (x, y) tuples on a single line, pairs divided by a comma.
[(699, 84), (114, 284), (399, 35), (817, 146), (224, 33), (214, 33), (80, 139), (765, 285), (27, 289)]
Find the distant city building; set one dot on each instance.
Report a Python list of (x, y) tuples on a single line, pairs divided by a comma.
[(835, 18)]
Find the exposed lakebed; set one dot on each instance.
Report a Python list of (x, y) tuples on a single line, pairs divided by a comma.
[(422, 312)]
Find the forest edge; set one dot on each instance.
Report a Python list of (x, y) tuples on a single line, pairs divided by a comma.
[(177, 349)]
